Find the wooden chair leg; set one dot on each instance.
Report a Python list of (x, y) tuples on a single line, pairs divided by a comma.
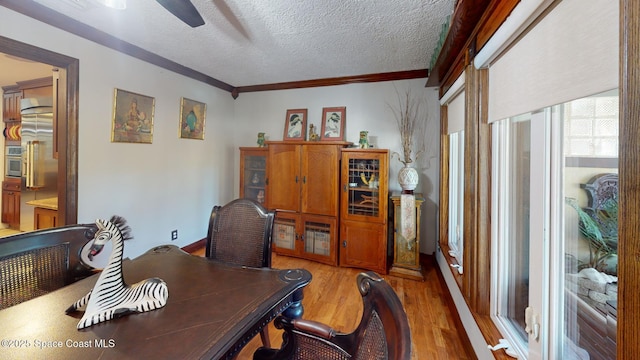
[(264, 336)]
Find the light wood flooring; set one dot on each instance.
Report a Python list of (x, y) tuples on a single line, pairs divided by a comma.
[(332, 298), (7, 232)]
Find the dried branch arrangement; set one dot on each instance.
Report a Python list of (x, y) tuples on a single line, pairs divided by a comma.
[(406, 115)]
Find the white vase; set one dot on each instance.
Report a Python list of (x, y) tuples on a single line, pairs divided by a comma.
[(408, 178)]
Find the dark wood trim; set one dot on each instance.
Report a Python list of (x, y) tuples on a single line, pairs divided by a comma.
[(456, 69), (193, 247), (482, 268), (60, 21), (472, 246), (68, 96), (67, 121), (628, 339), (495, 13), (463, 21), (390, 76)]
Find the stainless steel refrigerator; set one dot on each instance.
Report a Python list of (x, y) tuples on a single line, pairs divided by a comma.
[(39, 167)]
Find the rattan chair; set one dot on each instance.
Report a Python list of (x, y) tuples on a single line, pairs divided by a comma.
[(240, 234), (383, 332), (38, 262)]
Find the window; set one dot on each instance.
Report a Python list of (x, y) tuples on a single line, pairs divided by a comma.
[(456, 196), (589, 229), (554, 286), (591, 127), (511, 233)]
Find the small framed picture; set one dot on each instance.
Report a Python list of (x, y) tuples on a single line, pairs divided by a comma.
[(192, 118), (295, 127), (333, 123), (132, 117)]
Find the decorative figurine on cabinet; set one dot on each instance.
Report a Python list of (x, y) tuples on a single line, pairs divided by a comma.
[(313, 135), (364, 140), (261, 139)]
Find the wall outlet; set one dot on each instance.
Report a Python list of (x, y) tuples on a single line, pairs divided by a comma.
[(174, 235)]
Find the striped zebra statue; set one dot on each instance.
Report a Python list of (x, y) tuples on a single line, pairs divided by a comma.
[(111, 298)]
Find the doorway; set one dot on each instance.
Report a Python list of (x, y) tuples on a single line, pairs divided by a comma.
[(67, 114)]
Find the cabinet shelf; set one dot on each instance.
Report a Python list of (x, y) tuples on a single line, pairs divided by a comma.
[(364, 188), (363, 206), (356, 170)]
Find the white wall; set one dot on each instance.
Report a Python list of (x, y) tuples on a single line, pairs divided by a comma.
[(173, 183), (170, 184), (367, 108)]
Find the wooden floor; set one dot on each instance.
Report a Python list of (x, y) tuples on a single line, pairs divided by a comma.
[(7, 232), (332, 298)]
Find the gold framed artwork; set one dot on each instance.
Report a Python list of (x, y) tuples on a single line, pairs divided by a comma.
[(333, 123), (132, 117), (295, 126), (192, 119)]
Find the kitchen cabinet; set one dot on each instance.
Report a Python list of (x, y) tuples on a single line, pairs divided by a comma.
[(363, 209), (11, 204), (11, 103), (303, 185), (253, 173), (44, 218), (45, 212), (12, 94)]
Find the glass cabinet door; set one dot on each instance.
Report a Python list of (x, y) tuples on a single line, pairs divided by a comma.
[(319, 235), (285, 233), (253, 166), (364, 184), (317, 238)]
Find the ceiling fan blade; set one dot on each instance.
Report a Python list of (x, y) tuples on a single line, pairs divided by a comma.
[(183, 10)]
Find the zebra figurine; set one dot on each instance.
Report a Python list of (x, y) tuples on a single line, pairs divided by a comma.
[(111, 298)]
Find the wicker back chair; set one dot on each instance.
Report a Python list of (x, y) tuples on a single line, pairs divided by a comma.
[(38, 262), (383, 332), (240, 233)]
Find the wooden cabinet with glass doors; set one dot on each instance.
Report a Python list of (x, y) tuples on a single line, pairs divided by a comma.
[(253, 174), (363, 209), (303, 186), (312, 237)]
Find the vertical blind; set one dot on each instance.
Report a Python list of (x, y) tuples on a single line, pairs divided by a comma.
[(571, 53)]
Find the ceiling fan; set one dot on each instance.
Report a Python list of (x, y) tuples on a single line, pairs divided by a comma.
[(183, 10)]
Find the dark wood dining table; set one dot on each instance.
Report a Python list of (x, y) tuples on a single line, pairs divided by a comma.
[(212, 311)]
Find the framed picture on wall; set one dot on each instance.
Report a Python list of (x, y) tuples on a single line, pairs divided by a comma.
[(132, 117), (192, 119), (333, 123), (295, 126)]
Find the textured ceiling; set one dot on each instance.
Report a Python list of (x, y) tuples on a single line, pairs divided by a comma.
[(254, 42)]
